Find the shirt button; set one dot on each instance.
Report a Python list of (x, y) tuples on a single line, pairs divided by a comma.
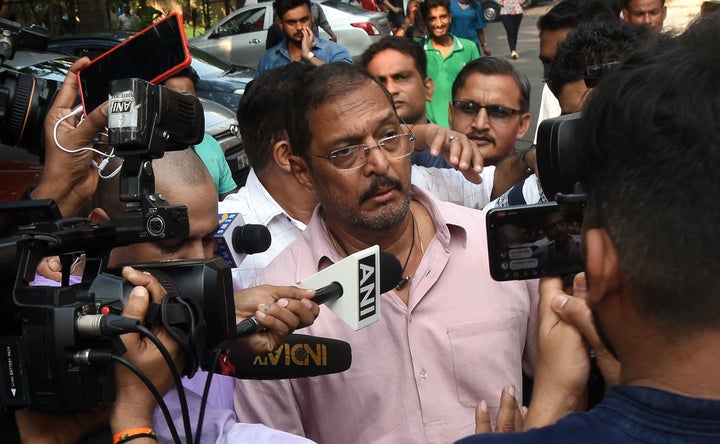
[(423, 373)]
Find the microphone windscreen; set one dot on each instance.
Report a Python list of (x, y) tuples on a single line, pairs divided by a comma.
[(251, 239), (300, 356), (390, 271)]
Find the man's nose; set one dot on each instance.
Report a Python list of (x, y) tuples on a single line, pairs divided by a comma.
[(481, 120)]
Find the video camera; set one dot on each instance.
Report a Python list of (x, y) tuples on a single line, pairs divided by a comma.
[(55, 340), (531, 241)]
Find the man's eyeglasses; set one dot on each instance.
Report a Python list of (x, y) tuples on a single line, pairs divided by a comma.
[(593, 74), (356, 156), (496, 113)]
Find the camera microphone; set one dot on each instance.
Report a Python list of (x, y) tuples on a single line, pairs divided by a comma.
[(236, 239), (300, 356)]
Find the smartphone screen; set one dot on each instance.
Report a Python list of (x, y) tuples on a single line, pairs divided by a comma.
[(531, 241), (152, 54)]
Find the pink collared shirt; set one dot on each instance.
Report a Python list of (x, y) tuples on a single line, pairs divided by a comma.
[(419, 372)]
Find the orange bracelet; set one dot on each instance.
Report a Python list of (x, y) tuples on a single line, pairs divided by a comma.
[(130, 434)]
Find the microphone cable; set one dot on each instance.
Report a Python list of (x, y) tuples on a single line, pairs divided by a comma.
[(205, 395), (178, 385), (158, 397)]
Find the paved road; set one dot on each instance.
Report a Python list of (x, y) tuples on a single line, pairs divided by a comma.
[(528, 47)]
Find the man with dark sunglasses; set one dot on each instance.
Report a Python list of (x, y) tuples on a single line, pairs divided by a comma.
[(490, 105)]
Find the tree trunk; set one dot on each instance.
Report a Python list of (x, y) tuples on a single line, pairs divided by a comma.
[(92, 16)]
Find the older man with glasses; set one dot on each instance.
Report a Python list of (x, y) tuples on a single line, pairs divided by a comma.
[(447, 335)]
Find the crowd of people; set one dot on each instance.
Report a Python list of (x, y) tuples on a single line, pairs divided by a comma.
[(407, 150)]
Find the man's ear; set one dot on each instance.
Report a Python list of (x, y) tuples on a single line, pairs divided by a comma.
[(301, 171), (602, 265), (524, 125), (281, 155), (429, 88), (98, 215)]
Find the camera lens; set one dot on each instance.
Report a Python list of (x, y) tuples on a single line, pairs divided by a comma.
[(24, 102)]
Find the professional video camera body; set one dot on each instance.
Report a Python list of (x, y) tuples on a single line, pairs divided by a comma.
[(55, 340)]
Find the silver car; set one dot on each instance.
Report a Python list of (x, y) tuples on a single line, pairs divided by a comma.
[(240, 37)]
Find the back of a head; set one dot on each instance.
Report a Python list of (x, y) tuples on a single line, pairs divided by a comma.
[(175, 169), (327, 83), (262, 111), (592, 44), (651, 137), (402, 45), (283, 6), (494, 66), (570, 13)]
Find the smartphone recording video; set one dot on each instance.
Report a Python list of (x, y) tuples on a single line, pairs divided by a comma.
[(153, 54), (532, 241)]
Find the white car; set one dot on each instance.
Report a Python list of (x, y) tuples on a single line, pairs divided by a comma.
[(240, 37)]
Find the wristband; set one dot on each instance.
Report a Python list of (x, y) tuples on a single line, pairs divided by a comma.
[(130, 434), (484, 43)]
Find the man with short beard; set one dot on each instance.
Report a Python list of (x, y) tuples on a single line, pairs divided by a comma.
[(300, 43), (447, 334), (446, 55)]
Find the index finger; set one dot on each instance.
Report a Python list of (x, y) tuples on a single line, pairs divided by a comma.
[(68, 91)]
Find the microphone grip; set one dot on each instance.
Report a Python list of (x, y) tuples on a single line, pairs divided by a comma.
[(328, 293), (248, 326)]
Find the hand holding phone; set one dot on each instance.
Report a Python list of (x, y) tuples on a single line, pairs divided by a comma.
[(153, 54)]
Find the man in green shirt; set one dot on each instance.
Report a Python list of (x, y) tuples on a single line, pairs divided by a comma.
[(446, 56)]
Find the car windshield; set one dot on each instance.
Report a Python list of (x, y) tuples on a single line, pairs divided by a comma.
[(50, 69), (207, 65)]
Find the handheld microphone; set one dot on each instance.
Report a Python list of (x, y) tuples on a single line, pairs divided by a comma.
[(236, 239), (356, 280), (300, 356)]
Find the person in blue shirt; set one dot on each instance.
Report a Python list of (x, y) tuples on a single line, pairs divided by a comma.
[(299, 43), (468, 22), (650, 283)]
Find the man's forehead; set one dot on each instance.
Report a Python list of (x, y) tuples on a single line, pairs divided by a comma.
[(365, 104), (478, 82), (437, 11), (644, 4), (391, 61), (296, 12)]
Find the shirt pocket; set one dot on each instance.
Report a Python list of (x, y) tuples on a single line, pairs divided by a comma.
[(486, 356)]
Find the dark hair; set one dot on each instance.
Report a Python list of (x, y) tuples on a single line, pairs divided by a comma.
[(188, 72), (283, 6), (651, 140), (262, 109), (495, 66), (427, 5), (625, 4), (570, 13), (590, 44), (402, 45), (328, 82)]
